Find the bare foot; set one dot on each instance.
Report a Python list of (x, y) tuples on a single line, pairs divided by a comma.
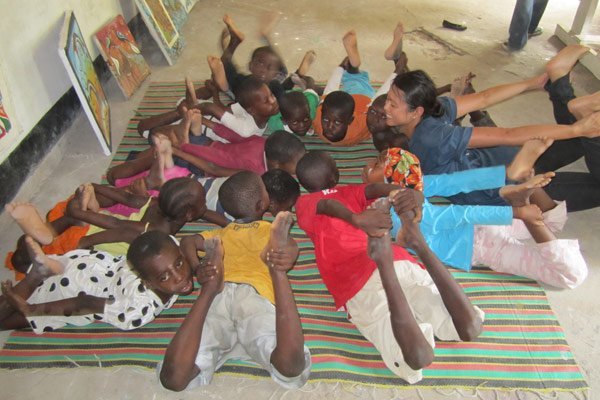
[(42, 264), (218, 72), (562, 63), (235, 35), (214, 255), (307, 61), (164, 146), (518, 195), (190, 93), (81, 199), (30, 221), (461, 84), (394, 51), (15, 301), (380, 248), (529, 213), (156, 176), (351, 46), (589, 126), (521, 168), (401, 65), (281, 252), (583, 106), (183, 128), (90, 197)]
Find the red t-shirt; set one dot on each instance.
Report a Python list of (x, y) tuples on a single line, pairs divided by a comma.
[(340, 248), (357, 130)]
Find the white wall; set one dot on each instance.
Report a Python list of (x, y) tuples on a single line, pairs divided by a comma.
[(32, 76)]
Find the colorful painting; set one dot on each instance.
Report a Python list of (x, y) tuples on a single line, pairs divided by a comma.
[(161, 27), (120, 51), (177, 11), (4, 121), (77, 60)]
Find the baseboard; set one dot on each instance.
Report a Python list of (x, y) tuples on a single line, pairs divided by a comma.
[(23, 160)]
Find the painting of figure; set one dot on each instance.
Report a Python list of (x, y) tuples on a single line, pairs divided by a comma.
[(4, 121), (161, 27), (121, 52), (78, 62)]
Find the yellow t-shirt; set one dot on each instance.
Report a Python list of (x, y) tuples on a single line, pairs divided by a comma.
[(242, 244)]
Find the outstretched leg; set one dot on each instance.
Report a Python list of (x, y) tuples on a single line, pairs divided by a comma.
[(351, 46), (521, 168), (235, 38), (518, 195), (218, 72), (30, 221), (394, 51)]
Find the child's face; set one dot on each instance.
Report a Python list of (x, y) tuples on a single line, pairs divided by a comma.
[(169, 273), (264, 104), (299, 120), (199, 194), (376, 121), (374, 171), (335, 124), (265, 66)]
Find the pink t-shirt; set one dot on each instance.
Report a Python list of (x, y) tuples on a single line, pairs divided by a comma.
[(340, 248)]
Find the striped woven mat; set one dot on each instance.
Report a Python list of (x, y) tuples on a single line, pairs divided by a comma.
[(522, 345)]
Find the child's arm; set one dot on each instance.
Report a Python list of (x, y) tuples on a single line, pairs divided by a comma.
[(158, 120), (143, 162), (215, 218), (377, 190), (98, 219), (190, 245), (121, 196), (497, 94), (372, 221), (80, 305), (126, 235), (206, 166), (216, 110)]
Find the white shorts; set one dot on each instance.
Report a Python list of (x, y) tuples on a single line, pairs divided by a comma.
[(369, 311), (241, 324)]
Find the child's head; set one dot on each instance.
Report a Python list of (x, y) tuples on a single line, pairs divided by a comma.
[(156, 258), (295, 112), (376, 115), (182, 199), (283, 190), (337, 113), (388, 138), (265, 64), (317, 171), (397, 166), (244, 196), (283, 150), (256, 98)]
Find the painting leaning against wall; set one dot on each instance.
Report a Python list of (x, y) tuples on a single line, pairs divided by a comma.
[(78, 63), (162, 28), (121, 52), (4, 121)]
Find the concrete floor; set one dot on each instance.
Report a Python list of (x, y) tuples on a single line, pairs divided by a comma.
[(308, 25)]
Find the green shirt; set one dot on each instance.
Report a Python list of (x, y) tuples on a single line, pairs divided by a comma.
[(275, 123)]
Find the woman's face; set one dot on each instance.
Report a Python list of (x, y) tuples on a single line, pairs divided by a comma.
[(396, 109)]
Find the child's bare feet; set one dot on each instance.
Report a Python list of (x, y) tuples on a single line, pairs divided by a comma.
[(218, 72), (518, 195), (461, 84), (42, 264), (30, 221), (235, 35), (307, 61), (529, 213), (589, 126), (190, 93), (351, 46), (281, 252), (15, 301), (89, 198), (562, 63), (521, 168), (214, 256), (583, 106), (394, 51), (156, 175)]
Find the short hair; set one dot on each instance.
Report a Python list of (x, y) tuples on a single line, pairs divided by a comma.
[(280, 185), (175, 198), (315, 169), (240, 193), (146, 246), (292, 101), (266, 50), (339, 101), (419, 91), (388, 138), (246, 90), (282, 146)]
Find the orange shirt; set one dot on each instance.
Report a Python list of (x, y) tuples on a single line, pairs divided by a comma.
[(357, 130)]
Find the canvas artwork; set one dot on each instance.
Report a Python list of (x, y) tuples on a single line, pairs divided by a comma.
[(177, 11), (77, 60), (4, 121), (121, 52), (162, 28), (188, 4)]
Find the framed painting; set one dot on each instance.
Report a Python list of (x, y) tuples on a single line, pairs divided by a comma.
[(161, 27), (121, 52), (4, 121), (78, 63)]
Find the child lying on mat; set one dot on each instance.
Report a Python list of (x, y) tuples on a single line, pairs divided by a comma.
[(78, 224), (246, 307), (462, 236), (395, 302), (84, 286)]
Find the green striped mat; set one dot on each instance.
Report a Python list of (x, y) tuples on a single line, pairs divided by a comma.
[(522, 345)]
